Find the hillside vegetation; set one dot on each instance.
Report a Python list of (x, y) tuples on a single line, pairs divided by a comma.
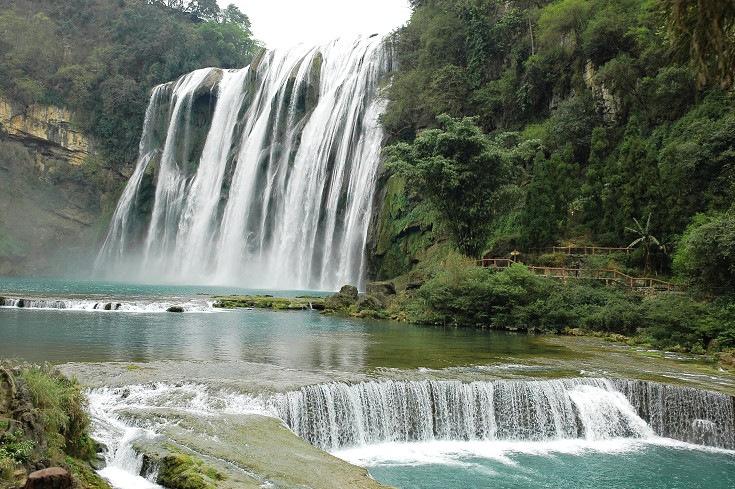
[(519, 125), (100, 58), (43, 423), (598, 113)]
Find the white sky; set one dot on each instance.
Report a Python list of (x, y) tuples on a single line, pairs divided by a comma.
[(284, 23)]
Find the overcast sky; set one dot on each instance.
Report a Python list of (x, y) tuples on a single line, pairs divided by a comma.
[(284, 23)]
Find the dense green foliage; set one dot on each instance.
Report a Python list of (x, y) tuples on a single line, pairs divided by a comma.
[(615, 125), (460, 174), (706, 253), (704, 32), (615, 119), (465, 295), (101, 58)]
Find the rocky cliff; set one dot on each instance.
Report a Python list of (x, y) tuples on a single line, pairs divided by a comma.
[(48, 200)]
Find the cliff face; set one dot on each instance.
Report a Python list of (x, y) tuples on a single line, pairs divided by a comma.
[(48, 203), (49, 127)]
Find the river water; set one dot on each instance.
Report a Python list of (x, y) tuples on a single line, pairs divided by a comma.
[(144, 365)]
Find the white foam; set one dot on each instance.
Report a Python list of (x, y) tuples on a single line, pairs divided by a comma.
[(459, 453), (120, 479), (114, 305)]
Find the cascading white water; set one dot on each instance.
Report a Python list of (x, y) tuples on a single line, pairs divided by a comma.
[(682, 413), (334, 416), (280, 193)]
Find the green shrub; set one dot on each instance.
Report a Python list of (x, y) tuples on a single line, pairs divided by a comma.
[(62, 405), (14, 448)]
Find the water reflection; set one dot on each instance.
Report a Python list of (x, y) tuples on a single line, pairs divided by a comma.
[(297, 340)]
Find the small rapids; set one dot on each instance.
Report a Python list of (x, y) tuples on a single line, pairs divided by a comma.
[(109, 305), (425, 422)]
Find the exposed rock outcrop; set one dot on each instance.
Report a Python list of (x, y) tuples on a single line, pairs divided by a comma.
[(49, 127), (49, 199), (51, 478)]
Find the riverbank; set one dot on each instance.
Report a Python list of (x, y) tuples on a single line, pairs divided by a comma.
[(459, 294), (44, 430)]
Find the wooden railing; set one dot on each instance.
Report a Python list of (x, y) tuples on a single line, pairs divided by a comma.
[(495, 262), (608, 276), (582, 250)]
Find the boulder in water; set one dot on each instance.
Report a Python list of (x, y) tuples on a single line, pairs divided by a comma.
[(349, 291), (175, 309), (342, 300)]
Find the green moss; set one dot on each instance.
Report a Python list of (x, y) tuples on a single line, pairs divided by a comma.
[(86, 474), (312, 91), (268, 302), (405, 233), (179, 471)]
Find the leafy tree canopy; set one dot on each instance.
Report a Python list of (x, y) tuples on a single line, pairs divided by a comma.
[(462, 175), (706, 253), (623, 128)]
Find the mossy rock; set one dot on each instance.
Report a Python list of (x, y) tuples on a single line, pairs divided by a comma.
[(338, 302), (385, 288), (349, 291), (180, 471), (369, 302), (269, 302)]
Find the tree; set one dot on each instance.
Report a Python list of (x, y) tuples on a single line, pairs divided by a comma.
[(541, 224), (233, 15), (645, 239), (204, 9), (704, 32), (460, 174), (706, 252)]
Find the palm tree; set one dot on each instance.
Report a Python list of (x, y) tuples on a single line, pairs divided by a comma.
[(645, 239)]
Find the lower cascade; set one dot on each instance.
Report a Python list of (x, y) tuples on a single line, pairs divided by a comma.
[(132, 420), (338, 415), (260, 177)]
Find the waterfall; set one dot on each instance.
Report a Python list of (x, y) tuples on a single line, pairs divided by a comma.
[(260, 177), (682, 413), (338, 415)]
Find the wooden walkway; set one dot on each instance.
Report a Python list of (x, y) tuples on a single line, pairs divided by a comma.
[(583, 250), (610, 277)]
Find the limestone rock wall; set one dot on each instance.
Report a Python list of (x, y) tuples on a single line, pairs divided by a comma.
[(49, 201), (48, 126)]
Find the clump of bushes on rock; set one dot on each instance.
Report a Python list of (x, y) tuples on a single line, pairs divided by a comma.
[(43, 424)]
